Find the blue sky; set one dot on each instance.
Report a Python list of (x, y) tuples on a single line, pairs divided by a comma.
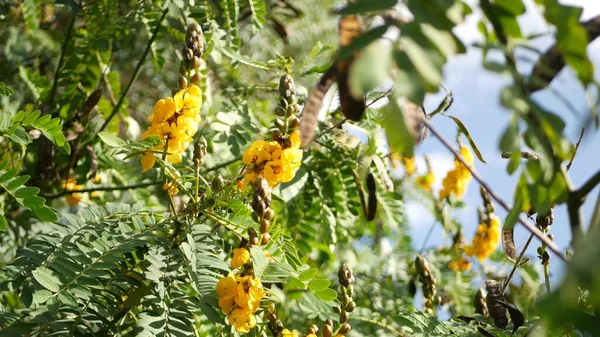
[(476, 102)]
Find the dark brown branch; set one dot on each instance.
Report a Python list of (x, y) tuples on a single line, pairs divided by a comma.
[(95, 189), (576, 148), (532, 229)]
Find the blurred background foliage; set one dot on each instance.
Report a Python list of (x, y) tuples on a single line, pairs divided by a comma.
[(116, 263)]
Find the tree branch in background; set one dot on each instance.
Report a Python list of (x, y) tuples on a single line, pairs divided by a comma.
[(136, 71), (60, 62), (96, 189), (552, 62), (533, 230)]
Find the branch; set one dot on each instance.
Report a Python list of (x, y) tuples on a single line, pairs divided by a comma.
[(493, 194), (60, 62), (576, 148), (94, 189), (517, 264), (222, 165), (136, 71)]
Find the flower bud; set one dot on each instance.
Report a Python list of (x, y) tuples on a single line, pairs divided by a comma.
[(280, 125), (287, 88), (218, 183), (183, 70), (345, 328), (268, 214), (337, 310), (276, 135), (279, 111), (327, 330), (262, 189), (197, 77), (350, 306), (329, 322), (195, 62), (265, 238), (343, 317), (287, 143), (294, 122), (264, 226)]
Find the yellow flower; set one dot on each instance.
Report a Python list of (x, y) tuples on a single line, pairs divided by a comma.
[(461, 264), (409, 165), (241, 256), (242, 319), (295, 139), (426, 181), (486, 239), (171, 187), (226, 304), (256, 154), (176, 120), (71, 185), (311, 335), (249, 178), (457, 180), (227, 287), (274, 172), (288, 333)]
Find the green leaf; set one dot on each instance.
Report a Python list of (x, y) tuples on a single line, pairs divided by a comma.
[(326, 295), (16, 182), (26, 192), (364, 6), (399, 137), (423, 60), (359, 43), (111, 140), (511, 140), (3, 222), (45, 214), (318, 285), (259, 261), (41, 296), (463, 129), (370, 70), (47, 279), (308, 274)]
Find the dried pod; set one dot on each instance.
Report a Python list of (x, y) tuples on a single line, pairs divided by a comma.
[(508, 243), (480, 304), (516, 316), (496, 310)]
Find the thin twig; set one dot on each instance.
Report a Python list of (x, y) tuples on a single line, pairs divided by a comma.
[(576, 148), (60, 62), (97, 189), (385, 94), (379, 324), (493, 194), (222, 165), (327, 130), (428, 235), (136, 71), (517, 264)]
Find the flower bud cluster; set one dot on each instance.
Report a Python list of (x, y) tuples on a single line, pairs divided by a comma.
[(428, 282)]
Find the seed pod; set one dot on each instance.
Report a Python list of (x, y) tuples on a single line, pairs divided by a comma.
[(496, 310), (197, 77), (268, 214), (264, 226), (343, 317), (294, 122), (480, 304), (345, 328), (265, 238)]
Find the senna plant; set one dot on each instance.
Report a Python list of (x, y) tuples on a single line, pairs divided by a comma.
[(173, 168)]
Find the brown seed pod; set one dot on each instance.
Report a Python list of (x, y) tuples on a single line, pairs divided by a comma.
[(496, 310), (508, 243), (480, 303)]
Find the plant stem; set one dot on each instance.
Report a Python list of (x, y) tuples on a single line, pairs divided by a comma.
[(222, 165), (327, 130), (106, 188), (517, 264), (547, 278), (493, 194), (428, 235), (576, 148), (136, 71), (379, 324), (60, 62)]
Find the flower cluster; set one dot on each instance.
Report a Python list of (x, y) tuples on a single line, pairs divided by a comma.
[(457, 180), (175, 120), (486, 239), (426, 181), (239, 298), (461, 264), (273, 160), (71, 185)]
